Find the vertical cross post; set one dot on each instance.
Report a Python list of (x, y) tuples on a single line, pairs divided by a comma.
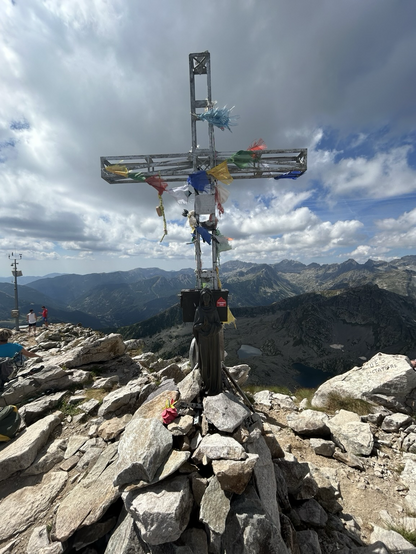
[(200, 66)]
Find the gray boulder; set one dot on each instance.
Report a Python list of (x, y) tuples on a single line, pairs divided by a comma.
[(215, 506), (161, 511), (225, 411), (309, 423), (122, 399), (218, 447), (51, 377), (351, 434), (20, 453), (144, 446), (234, 475), (392, 423), (92, 351), (190, 386), (239, 373), (249, 528), (34, 410), (386, 379), (29, 504)]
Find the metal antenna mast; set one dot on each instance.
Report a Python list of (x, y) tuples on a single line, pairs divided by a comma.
[(177, 167), (16, 273)]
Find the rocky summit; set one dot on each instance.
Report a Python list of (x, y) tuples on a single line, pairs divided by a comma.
[(96, 466)]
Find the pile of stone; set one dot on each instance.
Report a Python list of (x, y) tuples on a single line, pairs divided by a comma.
[(115, 479)]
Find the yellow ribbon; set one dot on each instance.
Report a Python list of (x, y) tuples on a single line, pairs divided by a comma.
[(162, 211), (117, 170)]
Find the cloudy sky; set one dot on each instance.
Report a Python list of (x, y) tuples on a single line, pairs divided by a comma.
[(83, 79)]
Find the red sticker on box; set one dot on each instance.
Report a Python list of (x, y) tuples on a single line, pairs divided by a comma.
[(221, 303)]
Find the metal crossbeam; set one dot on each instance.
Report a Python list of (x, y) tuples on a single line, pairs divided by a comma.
[(177, 167)]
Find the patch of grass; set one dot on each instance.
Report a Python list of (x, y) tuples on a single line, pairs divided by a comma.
[(68, 409), (135, 352), (97, 370), (408, 534), (97, 394), (252, 389), (336, 402), (303, 393)]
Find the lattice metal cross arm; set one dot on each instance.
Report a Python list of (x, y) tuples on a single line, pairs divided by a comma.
[(177, 167)]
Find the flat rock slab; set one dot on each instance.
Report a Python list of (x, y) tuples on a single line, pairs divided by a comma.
[(143, 448), (34, 410), (172, 464), (52, 377), (89, 500), (394, 422), (217, 447), (93, 351), (215, 506), (22, 451), (47, 458), (154, 407), (28, 504), (190, 386), (112, 428), (225, 411), (309, 423), (122, 398), (74, 444)]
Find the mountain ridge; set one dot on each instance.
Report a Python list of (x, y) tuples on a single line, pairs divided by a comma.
[(117, 299), (324, 332)]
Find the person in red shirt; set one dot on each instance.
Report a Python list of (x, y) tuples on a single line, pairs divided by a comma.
[(44, 314)]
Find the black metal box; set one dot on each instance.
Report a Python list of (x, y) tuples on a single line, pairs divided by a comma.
[(190, 300)]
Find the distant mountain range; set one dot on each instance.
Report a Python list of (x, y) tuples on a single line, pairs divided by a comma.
[(301, 340), (122, 298), (298, 324), (26, 279)]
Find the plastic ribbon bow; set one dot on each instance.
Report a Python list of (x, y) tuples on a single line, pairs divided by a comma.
[(219, 117), (170, 412)]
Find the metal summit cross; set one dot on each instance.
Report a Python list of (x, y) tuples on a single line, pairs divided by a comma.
[(178, 167)]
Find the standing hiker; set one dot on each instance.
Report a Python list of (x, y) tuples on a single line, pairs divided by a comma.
[(31, 319), (44, 314)]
